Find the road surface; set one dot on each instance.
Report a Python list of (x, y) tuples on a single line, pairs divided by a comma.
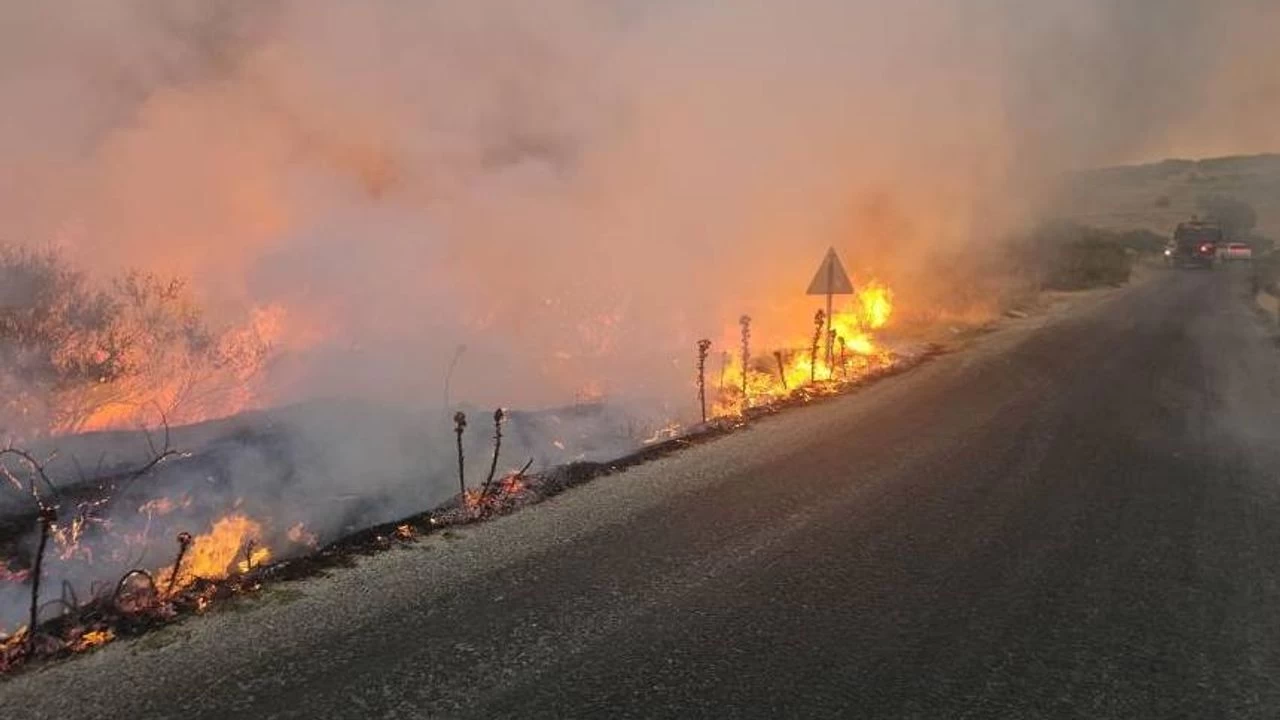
[(1078, 517)]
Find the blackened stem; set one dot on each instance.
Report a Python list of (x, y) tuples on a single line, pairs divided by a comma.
[(497, 448), (47, 516)]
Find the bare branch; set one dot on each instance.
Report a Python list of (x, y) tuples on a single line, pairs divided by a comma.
[(37, 471), (124, 582), (157, 455)]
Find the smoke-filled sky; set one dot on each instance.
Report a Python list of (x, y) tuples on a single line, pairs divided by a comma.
[(577, 190)]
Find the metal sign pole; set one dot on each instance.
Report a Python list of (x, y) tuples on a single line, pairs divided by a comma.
[(830, 280)]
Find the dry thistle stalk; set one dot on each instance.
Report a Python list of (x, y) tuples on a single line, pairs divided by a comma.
[(498, 417), (249, 547), (782, 373), (184, 544), (48, 516), (819, 320), (745, 322), (704, 346), (460, 425)]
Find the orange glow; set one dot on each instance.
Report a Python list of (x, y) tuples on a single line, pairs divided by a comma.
[(299, 535)]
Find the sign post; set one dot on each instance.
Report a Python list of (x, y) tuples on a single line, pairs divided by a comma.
[(830, 280)]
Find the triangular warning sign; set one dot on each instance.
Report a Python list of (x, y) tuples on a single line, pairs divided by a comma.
[(831, 278)]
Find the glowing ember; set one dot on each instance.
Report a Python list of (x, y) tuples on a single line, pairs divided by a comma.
[(163, 506), (299, 535), (504, 494), (92, 639), (15, 576)]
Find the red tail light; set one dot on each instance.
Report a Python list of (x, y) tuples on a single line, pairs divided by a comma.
[(1206, 248)]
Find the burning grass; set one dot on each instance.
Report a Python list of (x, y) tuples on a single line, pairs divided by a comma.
[(79, 356), (229, 561), (803, 370)]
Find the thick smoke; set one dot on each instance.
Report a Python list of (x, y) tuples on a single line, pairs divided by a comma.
[(543, 202), (576, 190)]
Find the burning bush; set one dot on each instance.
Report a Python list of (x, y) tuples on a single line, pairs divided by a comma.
[(78, 357), (798, 371)]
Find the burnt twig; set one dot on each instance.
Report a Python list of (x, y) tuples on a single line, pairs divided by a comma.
[(525, 469), (67, 608), (782, 373), (158, 456)]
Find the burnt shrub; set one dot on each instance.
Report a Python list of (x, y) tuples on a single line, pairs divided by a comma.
[(78, 352)]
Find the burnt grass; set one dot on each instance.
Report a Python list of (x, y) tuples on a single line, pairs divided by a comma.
[(137, 607)]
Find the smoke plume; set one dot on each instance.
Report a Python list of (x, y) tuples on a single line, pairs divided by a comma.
[(574, 190)]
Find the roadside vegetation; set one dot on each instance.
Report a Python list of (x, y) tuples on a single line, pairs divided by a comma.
[(1266, 274), (1065, 255), (1113, 205)]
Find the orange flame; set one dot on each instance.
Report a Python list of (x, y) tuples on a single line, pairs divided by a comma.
[(221, 551), (92, 639), (770, 377)]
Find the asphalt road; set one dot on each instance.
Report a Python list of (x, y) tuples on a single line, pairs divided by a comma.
[(1077, 517)]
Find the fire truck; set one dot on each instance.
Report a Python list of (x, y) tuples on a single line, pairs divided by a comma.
[(1195, 244)]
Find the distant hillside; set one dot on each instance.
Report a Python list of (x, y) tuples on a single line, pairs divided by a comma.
[(1158, 196)]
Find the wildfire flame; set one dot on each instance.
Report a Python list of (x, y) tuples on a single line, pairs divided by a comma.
[(188, 389), (230, 546), (855, 353)]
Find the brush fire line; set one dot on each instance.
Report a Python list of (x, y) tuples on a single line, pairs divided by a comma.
[(103, 579)]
